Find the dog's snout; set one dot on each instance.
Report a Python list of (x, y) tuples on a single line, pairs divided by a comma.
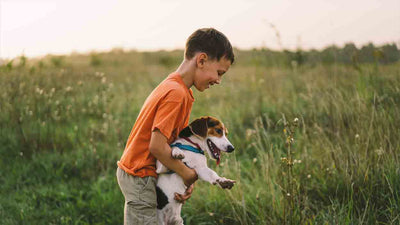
[(230, 148)]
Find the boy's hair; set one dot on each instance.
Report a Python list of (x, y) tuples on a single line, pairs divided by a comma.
[(210, 41)]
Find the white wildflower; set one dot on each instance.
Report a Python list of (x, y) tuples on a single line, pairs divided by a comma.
[(379, 151), (68, 89)]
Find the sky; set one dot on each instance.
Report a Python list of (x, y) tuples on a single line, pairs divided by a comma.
[(39, 27)]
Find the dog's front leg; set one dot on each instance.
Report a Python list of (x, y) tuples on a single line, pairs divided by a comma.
[(209, 175), (161, 168), (177, 153)]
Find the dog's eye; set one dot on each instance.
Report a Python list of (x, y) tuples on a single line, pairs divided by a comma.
[(219, 131)]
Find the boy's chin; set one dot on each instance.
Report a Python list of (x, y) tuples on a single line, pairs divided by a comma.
[(201, 89)]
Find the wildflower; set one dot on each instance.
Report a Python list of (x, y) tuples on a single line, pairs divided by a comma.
[(68, 89), (211, 214), (99, 74), (296, 121), (103, 80), (39, 91), (249, 133), (288, 194), (105, 127), (289, 140), (357, 136), (379, 151), (254, 160), (297, 161), (52, 90), (309, 176), (21, 154)]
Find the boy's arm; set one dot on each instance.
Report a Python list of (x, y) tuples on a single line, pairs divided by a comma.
[(160, 149)]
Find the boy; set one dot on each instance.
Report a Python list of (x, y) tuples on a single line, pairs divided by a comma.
[(208, 55)]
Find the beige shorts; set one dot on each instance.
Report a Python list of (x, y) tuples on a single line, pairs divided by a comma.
[(140, 198)]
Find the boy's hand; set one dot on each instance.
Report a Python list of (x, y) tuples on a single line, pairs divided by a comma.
[(182, 198)]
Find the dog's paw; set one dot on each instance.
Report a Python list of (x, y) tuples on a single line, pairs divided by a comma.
[(225, 183), (177, 153)]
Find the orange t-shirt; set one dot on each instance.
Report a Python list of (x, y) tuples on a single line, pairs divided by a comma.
[(166, 109)]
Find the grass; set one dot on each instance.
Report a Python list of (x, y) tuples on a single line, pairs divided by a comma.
[(64, 122)]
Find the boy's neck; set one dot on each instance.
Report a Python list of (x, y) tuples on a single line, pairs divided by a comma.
[(187, 70)]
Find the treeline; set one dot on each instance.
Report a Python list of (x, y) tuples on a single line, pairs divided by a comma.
[(348, 54)]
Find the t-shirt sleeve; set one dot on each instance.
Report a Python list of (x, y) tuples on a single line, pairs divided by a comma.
[(166, 117)]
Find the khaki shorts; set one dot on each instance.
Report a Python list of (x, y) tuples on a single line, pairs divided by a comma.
[(140, 198)]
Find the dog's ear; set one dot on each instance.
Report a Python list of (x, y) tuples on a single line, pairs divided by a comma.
[(186, 132), (199, 127)]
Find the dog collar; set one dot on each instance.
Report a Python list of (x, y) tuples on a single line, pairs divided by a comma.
[(188, 148)]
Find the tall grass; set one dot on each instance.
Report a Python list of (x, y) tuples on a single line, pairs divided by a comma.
[(63, 126)]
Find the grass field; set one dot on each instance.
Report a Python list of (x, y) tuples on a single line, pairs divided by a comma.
[(64, 122)]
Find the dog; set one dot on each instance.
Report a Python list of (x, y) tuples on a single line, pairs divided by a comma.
[(206, 134)]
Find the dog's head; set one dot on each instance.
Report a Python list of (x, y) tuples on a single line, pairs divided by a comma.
[(213, 133)]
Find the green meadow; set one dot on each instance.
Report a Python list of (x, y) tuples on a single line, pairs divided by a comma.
[(315, 143)]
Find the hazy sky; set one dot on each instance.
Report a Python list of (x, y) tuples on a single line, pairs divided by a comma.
[(38, 27)]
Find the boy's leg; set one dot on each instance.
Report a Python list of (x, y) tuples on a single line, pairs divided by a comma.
[(140, 198)]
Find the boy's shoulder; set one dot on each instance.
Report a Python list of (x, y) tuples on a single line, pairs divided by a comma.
[(172, 90)]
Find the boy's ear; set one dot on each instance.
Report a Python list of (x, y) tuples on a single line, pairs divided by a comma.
[(199, 127), (202, 58)]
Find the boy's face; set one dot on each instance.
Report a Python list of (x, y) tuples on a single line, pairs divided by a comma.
[(210, 72)]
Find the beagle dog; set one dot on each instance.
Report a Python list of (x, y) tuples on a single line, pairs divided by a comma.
[(206, 134)]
